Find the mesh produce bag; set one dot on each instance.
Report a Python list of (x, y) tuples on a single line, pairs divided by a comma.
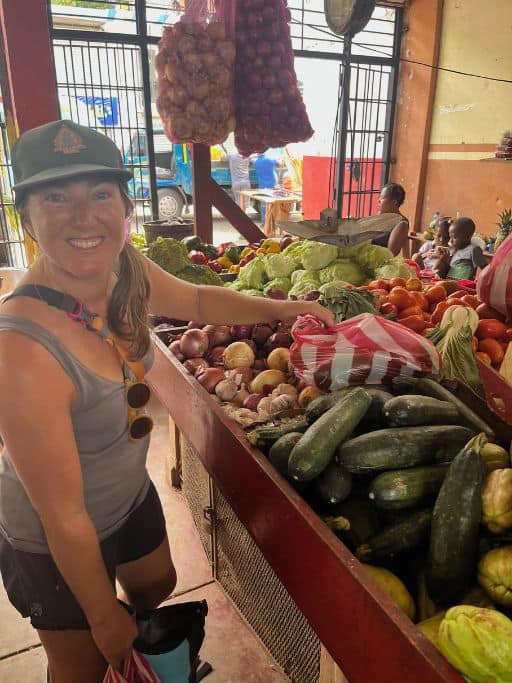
[(270, 111), (135, 670), (195, 67), (495, 282), (366, 349)]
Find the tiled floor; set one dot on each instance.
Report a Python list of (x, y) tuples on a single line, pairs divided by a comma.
[(230, 646)]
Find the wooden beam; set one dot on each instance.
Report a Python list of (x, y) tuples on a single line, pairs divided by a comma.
[(238, 218), (201, 175)]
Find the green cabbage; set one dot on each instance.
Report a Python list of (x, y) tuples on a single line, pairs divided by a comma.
[(316, 255), (343, 269), (253, 274), (332, 289), (252, 292), (294, 251), (282, 283), (303, 286), (278, 265), (296, 275), (371, 256), (395, 268)]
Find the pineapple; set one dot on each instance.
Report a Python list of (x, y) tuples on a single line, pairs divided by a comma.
[(504, 227)]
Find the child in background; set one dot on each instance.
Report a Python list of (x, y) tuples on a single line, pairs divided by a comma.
[(464, 258), (432, 251)]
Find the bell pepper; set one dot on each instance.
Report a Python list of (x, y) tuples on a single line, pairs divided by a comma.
[(215, 266), (193, 243), (235, 268), (270, 246), (232, 253), (250, 256), (246, 251), (261, 251), (197, 257), (224, 262)]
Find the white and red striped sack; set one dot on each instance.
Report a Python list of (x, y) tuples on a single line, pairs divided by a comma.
[(494, 285), (366, 349), (135, 670)]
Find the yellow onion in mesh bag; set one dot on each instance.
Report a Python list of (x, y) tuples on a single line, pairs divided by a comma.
[(478, 643)]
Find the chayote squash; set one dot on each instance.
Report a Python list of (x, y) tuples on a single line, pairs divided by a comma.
[(478, 642), (430, 627), (497, 501), (394, 587), (495, 575), (495, 457)]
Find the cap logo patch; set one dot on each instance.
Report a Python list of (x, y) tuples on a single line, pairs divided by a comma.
[(68, 142)]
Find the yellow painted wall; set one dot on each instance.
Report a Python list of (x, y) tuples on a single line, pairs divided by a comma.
[(476, 38)]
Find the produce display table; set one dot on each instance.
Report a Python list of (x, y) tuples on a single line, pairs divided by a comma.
[(278, 206), (362, 629)]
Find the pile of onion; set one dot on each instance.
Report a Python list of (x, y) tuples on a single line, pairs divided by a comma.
[(270, 111), (195, 67)]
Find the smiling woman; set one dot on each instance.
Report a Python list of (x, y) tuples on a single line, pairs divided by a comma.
[(77, 507)]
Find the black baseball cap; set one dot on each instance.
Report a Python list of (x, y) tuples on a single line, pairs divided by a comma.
[(61, 150)]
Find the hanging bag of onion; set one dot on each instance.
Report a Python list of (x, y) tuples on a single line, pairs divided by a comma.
[(269, 110), (195, 67)]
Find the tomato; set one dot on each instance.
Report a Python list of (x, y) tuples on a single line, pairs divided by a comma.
[(379, 284), (493, 349), (459, 294), (414, 285), (508, 334), (414, 322), (470, 300), (397, 282), (485, 311), (474, 344), (490, 328), (401, 298), (426, 317), (483, 357), (427, 331), (436, 294), (455, 301), (420, 300), (410, 310), (382, 294), (389, 309), (441, 308)]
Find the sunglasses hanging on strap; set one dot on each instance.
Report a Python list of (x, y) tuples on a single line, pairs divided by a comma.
[(138, 393)]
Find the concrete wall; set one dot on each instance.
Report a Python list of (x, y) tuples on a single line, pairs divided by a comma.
[(468, 115)]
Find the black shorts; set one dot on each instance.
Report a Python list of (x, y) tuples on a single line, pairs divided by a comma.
[(36, 588)]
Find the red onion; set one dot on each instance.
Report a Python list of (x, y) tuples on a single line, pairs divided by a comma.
[(260, 364), (241, 332), (194, 343), (261, 333), (194, 325), (251, 402), (196, 366), (279, 339), (218, 335), (276, 294), (251, 344), (175, 348), (244, 374), (215, 356), (210, 378)]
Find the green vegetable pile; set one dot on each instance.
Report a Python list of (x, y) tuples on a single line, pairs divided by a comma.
[(172, 256), (346, 303), (305, 265)]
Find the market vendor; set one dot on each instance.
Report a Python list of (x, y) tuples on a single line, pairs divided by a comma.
[(77, 507), (391, 198)]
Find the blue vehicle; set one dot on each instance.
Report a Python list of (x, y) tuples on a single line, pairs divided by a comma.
[(173, 173)]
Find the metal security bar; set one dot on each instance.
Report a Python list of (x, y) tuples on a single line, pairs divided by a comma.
[(12, 252)]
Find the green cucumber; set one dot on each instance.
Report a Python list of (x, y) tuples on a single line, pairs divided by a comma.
[(279, 452), (316, 448), (363, 519), (375, 415), (406, 488), (397, 538), (409, 410), (401, 447), (320, 405), (429, 387), (455, 525), (334, 484), (264, 436)]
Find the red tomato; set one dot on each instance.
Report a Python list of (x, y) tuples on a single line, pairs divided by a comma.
[(382, 294), (490, 328), (436, 294), (397, 282), (485, 311), (441, 308), (414, 322), (410, 310), (379, 284), (426, 317), (470, 300), (483, 357), (493, 349), (401, 298), (458, 294), (421, 300), (414, 285), (389, 309)]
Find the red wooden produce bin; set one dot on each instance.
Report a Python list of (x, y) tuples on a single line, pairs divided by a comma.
[(363, 630)]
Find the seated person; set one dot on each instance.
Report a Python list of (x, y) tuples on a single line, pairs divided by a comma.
[(431, 251), (464, 257), (391, 198)]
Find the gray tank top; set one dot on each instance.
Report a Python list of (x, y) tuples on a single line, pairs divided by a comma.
[(113, 467)]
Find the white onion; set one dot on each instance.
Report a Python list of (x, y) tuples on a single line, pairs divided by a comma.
[(238, 355)]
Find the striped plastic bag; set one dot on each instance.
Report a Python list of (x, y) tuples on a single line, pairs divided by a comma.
[(495, 281), (366, 349), (135, 670)]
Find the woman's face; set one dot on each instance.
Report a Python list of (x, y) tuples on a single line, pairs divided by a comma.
[(78, 224), (386, 204)]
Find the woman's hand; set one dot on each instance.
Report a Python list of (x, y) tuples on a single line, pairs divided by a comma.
[(114, 635)]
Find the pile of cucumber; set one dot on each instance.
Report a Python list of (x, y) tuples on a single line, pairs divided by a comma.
[(397, 472)]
